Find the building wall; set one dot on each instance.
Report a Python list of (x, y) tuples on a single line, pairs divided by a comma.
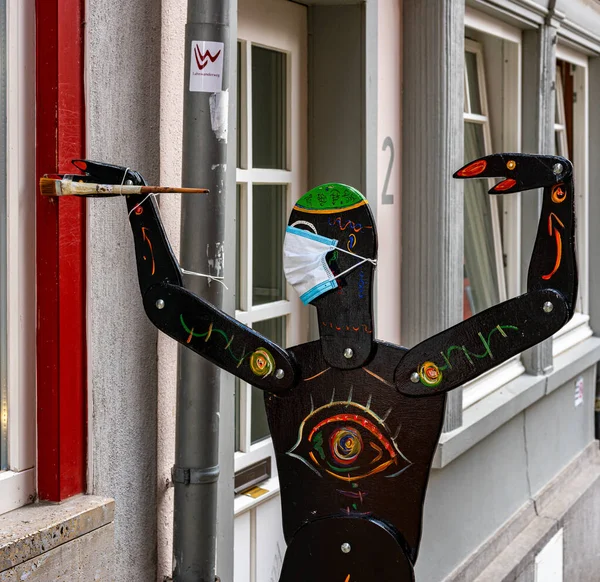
[(389, 177), (123, 86), (469, 500)]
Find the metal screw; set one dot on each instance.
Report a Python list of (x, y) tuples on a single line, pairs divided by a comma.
[(160, 304), (557, 168), (414, 377), (346, 548), (348, 353), (548, 307), (279, 373), (129, 182)]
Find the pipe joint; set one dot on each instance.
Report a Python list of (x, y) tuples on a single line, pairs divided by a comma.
[(195, 476)]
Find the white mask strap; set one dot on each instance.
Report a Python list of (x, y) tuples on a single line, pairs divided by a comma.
[(364, 260)]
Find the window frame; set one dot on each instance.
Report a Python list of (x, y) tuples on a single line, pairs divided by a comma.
[(61, 259), (578, 328), (17, 483), (293, 177), (483, 120), (510, 100)]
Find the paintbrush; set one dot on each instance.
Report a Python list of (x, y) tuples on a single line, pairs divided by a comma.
[(65, 187)]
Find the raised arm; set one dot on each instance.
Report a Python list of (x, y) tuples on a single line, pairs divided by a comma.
[(180, 314), (467, 350)]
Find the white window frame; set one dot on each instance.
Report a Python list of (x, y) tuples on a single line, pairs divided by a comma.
[(17, 484), (578, 328), (274, 37), (560, 122), (483, 121), (510, 101)]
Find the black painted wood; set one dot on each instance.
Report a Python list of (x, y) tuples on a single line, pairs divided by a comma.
[(224, 341), (315, 553), (353, 445), (467, 350), (553, 264), (345, 315), (396, 437)]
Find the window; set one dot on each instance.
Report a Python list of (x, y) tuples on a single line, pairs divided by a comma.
[(17, 214), (483, 263), (492, 117), (270, 178), (571, 141)]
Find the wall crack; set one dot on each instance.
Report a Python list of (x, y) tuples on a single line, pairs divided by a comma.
[(530, 493)]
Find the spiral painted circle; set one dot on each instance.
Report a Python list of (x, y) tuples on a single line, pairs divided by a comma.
[(262, 363), (346, 445), (430, 374), (558, 194)]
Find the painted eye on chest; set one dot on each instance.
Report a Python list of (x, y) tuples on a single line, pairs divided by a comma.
[(349, 442)]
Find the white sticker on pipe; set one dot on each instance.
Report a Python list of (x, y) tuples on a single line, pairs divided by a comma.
[(206, 66), (219, 114)]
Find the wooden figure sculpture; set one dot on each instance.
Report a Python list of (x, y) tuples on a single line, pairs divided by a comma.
[(354, 420)]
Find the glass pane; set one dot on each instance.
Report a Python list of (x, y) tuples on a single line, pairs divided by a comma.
[(237, 390), (239, 245), (268, 228), (3, 380), (274, 329), (481, 281), (269, 119), (473, 82)]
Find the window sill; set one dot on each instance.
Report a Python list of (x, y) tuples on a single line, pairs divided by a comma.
[(487, 415), (576, 331), (478, 389), (30, 531), (16, 489)]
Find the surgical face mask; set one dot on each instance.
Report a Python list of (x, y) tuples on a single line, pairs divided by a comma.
[(305, 263)]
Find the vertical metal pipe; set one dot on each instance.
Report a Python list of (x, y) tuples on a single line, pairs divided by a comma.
[(204, 162)]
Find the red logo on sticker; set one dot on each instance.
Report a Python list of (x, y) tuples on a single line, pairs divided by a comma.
[(202, 59)]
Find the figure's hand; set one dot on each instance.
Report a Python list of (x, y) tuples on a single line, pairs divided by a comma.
[(520, 171)]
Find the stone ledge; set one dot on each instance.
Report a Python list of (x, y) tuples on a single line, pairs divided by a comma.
[(486, 416), (29, 531), (508, 552)]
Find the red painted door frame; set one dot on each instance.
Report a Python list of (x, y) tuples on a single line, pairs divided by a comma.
[(61, 256)]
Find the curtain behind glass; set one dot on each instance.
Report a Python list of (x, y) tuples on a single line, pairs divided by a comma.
[(481, 281)]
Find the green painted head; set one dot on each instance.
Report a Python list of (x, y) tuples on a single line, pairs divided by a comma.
[(332, 197)]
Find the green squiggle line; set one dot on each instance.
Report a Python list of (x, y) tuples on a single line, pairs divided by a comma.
[(468, 354), (214, 330)]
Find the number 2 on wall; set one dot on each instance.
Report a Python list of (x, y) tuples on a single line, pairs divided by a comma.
[(385, 197)]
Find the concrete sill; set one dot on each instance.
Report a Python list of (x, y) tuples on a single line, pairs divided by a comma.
[(30, 531), (487, 415)]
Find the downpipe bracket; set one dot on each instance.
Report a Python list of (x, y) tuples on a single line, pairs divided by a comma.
[(195, 476)]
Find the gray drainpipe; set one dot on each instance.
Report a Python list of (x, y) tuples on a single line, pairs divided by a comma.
[(196, 469)]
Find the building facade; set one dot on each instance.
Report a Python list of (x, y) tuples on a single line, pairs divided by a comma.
[(389, 96)]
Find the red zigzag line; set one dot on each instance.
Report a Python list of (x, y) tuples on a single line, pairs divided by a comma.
[(201, 59)]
